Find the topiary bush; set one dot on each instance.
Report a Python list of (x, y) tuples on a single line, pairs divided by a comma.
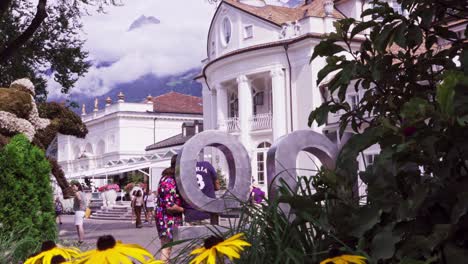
[(26, 197)]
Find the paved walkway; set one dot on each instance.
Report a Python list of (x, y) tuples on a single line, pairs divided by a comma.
[(121, 230)]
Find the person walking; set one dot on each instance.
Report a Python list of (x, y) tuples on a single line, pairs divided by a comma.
[(79, 206), (168, 209), (58, 210), (137, 205), (149, 205)]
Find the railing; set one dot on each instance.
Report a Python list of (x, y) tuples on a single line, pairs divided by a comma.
[(261, 121), (230, 124)]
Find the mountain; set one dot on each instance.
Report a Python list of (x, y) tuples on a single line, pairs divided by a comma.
[(143, 21), (150, 84)]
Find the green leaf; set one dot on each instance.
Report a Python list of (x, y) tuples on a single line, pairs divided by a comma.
[(362, 26), (416, 109), (378, 10), (382, 40), (330, 67), (367, 218), (414, 37), (464, 59), (427, 17), (383, 244), (446, 92), (320, 115), (326, 48), (399, 35)]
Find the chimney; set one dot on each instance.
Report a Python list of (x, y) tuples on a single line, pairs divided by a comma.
[(149, 99), (121, 97), (108, 101)]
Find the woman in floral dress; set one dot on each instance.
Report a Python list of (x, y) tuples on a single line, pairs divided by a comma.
[(168, 210)]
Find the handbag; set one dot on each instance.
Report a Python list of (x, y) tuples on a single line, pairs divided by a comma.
[(87, 212)]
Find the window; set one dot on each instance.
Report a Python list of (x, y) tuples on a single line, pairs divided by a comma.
[(353, 101), (225, 31), (213, 48), (257, 100), (248, 32), (369, 158), (262, 149), (261, 167), (396, 7), (233, 105)]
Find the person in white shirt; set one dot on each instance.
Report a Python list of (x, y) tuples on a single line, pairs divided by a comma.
[(150, 198)]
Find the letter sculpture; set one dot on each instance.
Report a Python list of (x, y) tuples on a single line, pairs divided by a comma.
[(281, 164)]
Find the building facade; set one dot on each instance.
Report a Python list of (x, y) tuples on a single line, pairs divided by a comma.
[(258, 81), (120, 132)]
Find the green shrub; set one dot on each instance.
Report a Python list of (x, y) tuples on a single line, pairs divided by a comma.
[(26, 198)]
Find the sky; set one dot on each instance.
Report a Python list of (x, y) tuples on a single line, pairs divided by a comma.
[(176, 44)]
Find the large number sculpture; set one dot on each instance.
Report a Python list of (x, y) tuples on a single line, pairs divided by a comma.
[(39, 123), (281, 167)]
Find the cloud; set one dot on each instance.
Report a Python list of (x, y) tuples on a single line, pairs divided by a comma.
[(175, 45)]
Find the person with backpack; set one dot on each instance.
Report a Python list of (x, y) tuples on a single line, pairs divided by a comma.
[(58, 210)]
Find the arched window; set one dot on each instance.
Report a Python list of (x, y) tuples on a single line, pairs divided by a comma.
[(261, 155), (89, 149), (76, 152), (101, 148), (226, 31)]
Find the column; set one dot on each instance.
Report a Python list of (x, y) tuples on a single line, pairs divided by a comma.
[(245, 108), (222, 102), (207, 108), (214, 106), (278, 87)]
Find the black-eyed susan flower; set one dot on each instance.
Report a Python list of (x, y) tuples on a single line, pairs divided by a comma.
[(111, 252), (154, 261), (345, 259), (50, 250), (216, 247)]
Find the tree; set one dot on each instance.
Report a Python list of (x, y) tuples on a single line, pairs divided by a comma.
[(413, 75), (27, 209), (43, 41)]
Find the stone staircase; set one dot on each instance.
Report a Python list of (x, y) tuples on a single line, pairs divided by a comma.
[(120, 211)]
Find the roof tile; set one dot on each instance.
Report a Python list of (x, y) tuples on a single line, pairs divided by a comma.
[(280, 15), (174, 102)]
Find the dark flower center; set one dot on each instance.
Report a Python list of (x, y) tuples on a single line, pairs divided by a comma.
[(47, 245), (105, 242), (212, 241), (57, 259), (334, 252)]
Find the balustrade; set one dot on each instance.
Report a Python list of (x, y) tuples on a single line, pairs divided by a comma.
[(261, 121)]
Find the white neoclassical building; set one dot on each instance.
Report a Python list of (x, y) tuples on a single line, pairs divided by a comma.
[(119, 133), (258, 81)]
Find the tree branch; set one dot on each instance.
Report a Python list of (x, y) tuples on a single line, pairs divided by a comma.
[(13, 46), (4, 4)]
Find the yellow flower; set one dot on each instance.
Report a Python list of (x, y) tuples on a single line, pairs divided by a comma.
[(110, 252), (49, 250), (230, 248), (345, 259), (154, 261)]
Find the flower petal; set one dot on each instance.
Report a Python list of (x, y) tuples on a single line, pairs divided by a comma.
[(212, 256), (229, 252)]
